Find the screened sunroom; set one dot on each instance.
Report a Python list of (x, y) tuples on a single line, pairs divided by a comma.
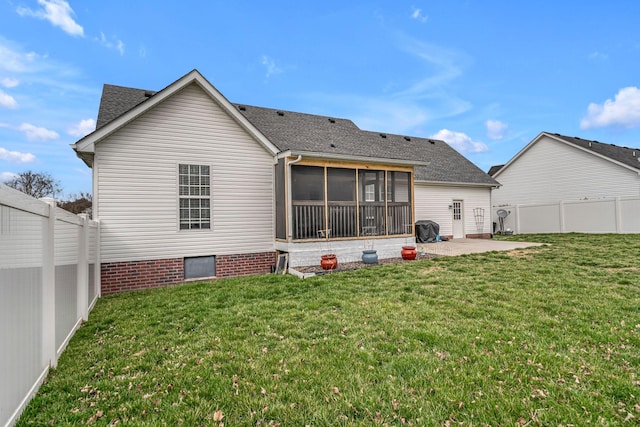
[(333, 201)]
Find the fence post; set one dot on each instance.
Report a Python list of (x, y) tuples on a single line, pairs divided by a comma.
[(83, 271), (98, 263), (49, 353), (618, 214)]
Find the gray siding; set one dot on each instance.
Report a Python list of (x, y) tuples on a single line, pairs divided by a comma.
[(136, 170), (550, 171)]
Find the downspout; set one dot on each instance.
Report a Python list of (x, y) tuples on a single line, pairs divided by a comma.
[(290, 198)]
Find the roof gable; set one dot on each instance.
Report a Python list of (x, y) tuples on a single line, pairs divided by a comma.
[(122, 111), (623, 156)]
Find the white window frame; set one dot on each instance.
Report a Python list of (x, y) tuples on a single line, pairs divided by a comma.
[(194, 197)]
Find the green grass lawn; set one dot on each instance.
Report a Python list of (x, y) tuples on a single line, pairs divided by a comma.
[(541, 336)]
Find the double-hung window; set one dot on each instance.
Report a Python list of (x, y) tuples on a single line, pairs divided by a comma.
[(194, 182)]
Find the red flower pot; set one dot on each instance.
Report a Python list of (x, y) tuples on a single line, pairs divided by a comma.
[(329, 261), (409, 252)]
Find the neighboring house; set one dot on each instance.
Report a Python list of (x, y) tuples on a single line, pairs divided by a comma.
[(188, 185), (555, 170)]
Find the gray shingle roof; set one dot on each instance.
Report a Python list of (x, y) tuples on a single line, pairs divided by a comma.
[(625, 155), (302, 132), (117, 100), (494, 169), (322, 134)]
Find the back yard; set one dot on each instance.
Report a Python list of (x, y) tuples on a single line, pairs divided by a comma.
[(548, 335)]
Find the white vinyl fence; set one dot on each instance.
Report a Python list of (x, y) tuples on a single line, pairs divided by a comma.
[(612, 215), (49, 281)]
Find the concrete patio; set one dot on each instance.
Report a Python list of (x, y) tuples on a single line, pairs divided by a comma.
[(470, 246)]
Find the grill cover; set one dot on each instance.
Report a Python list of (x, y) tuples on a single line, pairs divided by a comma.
[(427, 231)]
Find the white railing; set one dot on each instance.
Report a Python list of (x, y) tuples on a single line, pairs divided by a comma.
[(608, 215), (49, 281)]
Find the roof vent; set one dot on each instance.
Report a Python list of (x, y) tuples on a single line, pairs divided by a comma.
[(589, 144), (432, 141), (406, 138), (332, 120), (332, 145), (634, 154), (242, 108), (148, 93), (280, 113), (383, 135)]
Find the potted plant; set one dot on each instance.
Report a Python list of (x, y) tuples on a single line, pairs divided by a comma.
[(328, 261), (369, 255), (409, 252)]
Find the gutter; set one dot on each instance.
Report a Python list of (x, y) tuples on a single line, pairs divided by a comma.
[(347, 157), (458, 184)]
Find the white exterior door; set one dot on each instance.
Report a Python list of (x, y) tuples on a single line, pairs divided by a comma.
[(458, 219)]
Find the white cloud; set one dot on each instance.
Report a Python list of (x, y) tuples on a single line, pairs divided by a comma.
[(496, 129), (13, 60), (35, 70), (58, 13), (6, 176), (460, 141), (82, 128), (9, 82), (16, 156), (120, 47), (623, 111), (408, 108), (7, 101), (443, 67), (112, 43), (418, 15), (598, 56), (35, 133), (270, 65)]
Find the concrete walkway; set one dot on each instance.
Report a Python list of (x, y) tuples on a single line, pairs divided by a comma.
[(471, 246)]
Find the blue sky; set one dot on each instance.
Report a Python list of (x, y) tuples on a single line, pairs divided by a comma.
[(485, 76)]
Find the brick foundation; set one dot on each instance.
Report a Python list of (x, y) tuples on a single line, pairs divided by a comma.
[(244, 264), (131, 275)]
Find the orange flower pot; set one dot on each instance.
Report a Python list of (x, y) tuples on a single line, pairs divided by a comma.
[(409, 252), (329, 261)]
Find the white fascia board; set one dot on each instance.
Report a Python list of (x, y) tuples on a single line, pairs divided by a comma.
[(350, 158), (458, 184), (87, 144)]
